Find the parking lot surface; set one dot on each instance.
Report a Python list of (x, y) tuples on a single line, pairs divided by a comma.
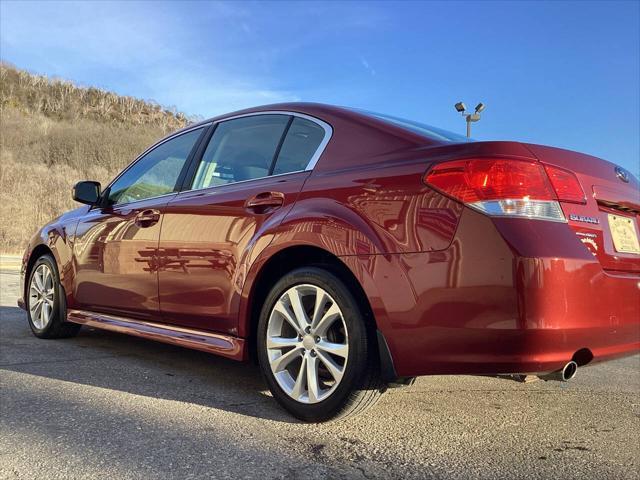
[(104, 405)]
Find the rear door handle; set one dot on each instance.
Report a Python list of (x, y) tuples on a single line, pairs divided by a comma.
[(147, 218), (265, 202)]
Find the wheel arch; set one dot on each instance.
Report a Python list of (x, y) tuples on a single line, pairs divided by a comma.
[(287, 260), (38, 251)]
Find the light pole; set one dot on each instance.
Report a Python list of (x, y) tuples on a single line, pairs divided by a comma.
[(469, 117)]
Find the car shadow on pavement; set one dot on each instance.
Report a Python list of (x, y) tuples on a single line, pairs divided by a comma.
[(138, 366)]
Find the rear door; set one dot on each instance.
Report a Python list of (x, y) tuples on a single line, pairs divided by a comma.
[(246, 180)]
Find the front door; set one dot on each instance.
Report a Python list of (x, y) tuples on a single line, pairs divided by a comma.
[(248, 178), (116, 245)]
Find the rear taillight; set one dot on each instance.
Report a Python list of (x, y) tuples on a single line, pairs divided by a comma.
[(566, 185), (507, 187)]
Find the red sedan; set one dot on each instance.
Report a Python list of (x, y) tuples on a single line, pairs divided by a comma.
[(348, 251)]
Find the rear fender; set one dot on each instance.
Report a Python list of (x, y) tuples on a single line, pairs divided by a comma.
[(332, 228)]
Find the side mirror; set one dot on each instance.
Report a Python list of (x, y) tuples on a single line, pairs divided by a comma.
[(86, 192)]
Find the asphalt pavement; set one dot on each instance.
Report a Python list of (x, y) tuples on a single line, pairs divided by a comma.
[(104, 405)]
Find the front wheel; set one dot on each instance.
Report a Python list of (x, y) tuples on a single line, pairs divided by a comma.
[(314, 348), (46, 307)]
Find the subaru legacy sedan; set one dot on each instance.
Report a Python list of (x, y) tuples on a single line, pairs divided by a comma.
[(347, 252)]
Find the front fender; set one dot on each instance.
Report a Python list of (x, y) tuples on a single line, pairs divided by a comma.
[(55, 237)]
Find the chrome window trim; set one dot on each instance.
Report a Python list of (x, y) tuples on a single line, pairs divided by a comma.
[(328, 130), (153, 147), (328, 133)]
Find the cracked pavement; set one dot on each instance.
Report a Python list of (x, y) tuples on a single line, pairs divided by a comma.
[(104, 405)]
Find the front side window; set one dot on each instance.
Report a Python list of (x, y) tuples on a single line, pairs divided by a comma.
[(240, 149), (157, 172), (302, 140)]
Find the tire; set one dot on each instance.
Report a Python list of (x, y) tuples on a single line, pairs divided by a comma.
[(46, 306), (340, 349)]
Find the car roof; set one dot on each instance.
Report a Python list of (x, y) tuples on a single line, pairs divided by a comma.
[(309, 108), (356, 134)]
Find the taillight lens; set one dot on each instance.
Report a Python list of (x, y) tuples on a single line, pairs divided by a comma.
[(565, 184), (505, 187)]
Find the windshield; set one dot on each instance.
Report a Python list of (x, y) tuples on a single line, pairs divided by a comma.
[(419, 128)]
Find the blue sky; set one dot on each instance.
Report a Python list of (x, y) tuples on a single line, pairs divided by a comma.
[(558, 73)]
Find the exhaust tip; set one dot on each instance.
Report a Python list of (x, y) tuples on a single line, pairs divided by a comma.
[(565, 374), (569, 371)]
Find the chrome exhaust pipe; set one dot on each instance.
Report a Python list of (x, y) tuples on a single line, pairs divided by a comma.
[(565, 374)]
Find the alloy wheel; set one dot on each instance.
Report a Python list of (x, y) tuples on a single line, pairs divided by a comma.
[(41, 296), (307, 343)]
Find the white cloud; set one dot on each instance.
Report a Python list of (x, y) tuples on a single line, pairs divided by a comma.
[(367, 67), (153, 50), (203, 58), (210, 96)]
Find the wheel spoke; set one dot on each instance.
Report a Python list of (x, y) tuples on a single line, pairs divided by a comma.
[(281, 342), (327, 319), (338, 349), (280, 363), (35, 310), (299, 386), (298, 309), (335, 370), (318, 310), (283, 310), (43, 314), (313, 386), (47, 279), (38, 278)]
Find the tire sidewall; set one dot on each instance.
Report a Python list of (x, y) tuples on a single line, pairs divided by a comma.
[(357, 362), (55, 317)]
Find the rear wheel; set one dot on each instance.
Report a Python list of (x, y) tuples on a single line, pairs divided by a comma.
[(46, 308), (314, 348)]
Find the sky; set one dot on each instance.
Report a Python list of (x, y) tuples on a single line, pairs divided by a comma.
[(558, 73)]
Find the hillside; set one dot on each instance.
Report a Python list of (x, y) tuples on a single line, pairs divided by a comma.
[(53, 134)]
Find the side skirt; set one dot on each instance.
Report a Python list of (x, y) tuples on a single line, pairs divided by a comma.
[(224, 345)]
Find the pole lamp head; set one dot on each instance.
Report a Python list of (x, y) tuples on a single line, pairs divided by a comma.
[(460, 107), (480, 107)]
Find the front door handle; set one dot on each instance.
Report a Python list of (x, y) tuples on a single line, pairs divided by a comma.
[(147, 218), (265, 202)]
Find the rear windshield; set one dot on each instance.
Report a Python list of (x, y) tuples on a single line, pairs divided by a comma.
[(419, 128)]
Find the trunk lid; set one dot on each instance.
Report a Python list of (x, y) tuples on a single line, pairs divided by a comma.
[(608, 224)]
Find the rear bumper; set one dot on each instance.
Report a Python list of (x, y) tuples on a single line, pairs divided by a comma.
[(565, 310), (594, 326), (481, 307)]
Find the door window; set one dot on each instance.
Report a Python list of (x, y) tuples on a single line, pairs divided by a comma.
[(240, 149), (302, 140), (157, 172)]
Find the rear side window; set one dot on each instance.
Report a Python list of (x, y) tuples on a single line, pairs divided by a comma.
[(302, 141), (156, 173), (240, 149)]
